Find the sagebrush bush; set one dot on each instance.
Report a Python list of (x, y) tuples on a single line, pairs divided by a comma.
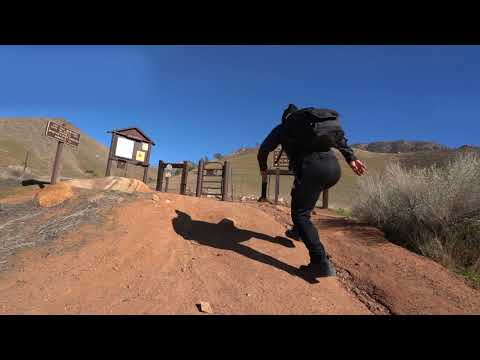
[(434, 211)]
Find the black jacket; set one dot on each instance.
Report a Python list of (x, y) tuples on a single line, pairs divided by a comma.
[(277, 136)]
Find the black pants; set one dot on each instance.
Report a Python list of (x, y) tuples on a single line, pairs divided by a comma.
[(313, 174)]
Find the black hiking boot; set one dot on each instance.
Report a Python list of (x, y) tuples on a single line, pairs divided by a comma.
[(320, 269), (293, 234)]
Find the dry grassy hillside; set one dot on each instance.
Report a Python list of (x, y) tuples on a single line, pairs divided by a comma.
[(246, 178), (19, 135)]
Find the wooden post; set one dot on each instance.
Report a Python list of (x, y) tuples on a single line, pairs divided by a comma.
[(277, 184), (222, 184), (269, 183), (56, 163), (229, 177), (200, 178), (145, 174), (166, 184), (160, 176), (26, 163), (225, 180), (325, 199), (110, 154), (145, 171), (183, 182), (231, 184)]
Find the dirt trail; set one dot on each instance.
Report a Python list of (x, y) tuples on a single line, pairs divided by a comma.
[(388, 278), (164, 256)]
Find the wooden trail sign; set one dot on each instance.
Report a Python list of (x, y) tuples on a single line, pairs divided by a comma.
[(63, 135), (280, 159), (130, 146)]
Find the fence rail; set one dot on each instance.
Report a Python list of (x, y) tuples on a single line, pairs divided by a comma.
[(237, 185)]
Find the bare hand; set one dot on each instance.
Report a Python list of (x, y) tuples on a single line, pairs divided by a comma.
[(358, 167)]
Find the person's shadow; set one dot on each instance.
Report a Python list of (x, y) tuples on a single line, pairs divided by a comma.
[(226, 236)]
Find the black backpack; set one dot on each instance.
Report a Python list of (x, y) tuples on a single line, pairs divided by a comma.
[(311, 129)]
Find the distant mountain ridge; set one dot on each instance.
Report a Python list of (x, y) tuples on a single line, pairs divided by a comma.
[(400, 146)]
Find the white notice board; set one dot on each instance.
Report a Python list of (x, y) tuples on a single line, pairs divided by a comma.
[(124, 148)]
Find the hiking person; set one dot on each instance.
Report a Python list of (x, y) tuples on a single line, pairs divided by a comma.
[(307, 136)]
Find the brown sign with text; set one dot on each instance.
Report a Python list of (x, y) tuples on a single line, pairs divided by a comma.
[(61, 133)]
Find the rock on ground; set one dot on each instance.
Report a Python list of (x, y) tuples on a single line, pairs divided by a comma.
[(54, 195), (114, 183)]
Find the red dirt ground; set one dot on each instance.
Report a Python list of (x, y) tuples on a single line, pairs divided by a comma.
[(167, 255)]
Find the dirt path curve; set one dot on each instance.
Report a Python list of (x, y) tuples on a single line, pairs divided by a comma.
[(388, 278), (164, 256)]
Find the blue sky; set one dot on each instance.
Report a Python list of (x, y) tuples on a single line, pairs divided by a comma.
[(198, 100)]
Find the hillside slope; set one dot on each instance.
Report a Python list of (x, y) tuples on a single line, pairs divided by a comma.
[(21, 135), (246, 177)]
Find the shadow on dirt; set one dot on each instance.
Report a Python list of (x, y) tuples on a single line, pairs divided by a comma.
[(31, 182), (226, 236)]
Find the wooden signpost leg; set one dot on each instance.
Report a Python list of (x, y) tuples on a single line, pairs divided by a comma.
[(160, 176), (325, 199), (56, 163), (110, 155), (166, 184), (199, 178), (269, 181), (225, 180), (183, 182), (145, 174), (26, 163), (231, 185), (109, 166), (277, 185)]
